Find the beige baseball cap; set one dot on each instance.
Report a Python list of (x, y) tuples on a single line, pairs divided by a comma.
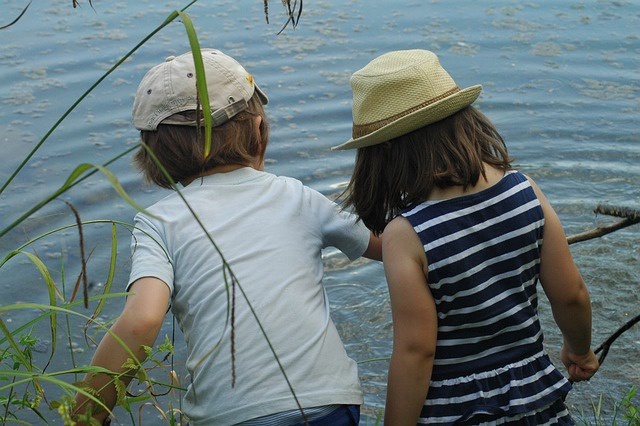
[(170, 87)]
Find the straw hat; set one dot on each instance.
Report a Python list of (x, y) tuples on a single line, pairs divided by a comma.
[(400, 92)]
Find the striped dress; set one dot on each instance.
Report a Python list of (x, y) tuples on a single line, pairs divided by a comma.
[(483, 252)]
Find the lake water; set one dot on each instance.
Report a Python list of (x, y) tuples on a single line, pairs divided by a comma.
[(561, 82)]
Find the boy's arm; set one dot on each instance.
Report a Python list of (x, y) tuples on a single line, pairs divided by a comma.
[(374, 249), (568, 295), (137, 326), (415, 323)]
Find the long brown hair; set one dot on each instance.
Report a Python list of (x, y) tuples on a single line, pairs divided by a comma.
[(180, 149), (393, 175)]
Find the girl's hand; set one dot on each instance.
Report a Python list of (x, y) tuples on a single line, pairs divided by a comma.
[(579, 367)]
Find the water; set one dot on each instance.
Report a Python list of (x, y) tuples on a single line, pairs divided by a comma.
[(561, 82)]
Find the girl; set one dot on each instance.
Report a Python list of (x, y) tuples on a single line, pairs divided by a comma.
[(466, 239)]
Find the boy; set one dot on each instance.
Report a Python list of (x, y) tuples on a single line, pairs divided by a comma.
[(268, 233)]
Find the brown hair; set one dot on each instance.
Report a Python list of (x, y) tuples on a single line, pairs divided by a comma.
[(180, 149), (393, 175)]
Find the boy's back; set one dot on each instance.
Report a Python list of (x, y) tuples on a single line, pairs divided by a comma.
[(280, 274)]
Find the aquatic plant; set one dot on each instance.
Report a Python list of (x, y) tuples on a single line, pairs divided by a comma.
[(623, 413)]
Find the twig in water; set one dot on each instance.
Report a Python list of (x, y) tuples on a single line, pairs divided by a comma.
[(625, 212), (630, 216), (604, 347)]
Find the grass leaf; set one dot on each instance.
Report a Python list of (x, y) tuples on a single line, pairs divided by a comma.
[(201, 82)]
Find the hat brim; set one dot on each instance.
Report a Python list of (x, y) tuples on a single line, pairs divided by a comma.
[(263, 96), (417, 119)]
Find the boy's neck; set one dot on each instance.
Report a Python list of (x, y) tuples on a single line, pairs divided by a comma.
[(225, 168), (222, 169)]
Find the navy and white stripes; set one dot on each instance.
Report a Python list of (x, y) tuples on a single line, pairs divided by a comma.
[(483, 254)]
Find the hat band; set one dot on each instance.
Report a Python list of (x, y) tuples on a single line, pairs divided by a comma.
[(218, 117), (360, 130)]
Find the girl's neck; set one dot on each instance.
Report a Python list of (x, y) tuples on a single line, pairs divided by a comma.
[(493, 176)]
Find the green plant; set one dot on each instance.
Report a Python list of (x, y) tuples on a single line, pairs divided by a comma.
[(631, 410), (14, 358), (23, 383), (624, 412)]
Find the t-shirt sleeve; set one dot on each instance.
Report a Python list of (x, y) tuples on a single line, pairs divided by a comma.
[(340, 229), (149, 254)]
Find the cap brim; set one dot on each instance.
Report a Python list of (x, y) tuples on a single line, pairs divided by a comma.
[(263, 96), (417, 119)]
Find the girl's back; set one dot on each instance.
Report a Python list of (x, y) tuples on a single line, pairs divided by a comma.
[(483, 252)]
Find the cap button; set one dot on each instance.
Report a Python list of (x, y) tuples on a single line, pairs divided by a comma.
[(170, 58)]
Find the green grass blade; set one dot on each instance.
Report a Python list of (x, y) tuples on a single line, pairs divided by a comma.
[(115, 183), (14, 345), (57, 193), (51, 289), (111, 274), (201, 81)]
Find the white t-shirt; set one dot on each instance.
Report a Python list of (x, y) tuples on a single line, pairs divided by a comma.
[(270, 230)]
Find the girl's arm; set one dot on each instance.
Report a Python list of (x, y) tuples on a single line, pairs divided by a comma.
[(138, 325), (568, 295), (414, 323)]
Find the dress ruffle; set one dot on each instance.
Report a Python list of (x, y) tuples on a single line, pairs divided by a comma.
[(523, 387)]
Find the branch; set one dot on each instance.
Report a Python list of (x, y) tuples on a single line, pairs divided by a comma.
[(627, 213), (631, 217), (604, 347)]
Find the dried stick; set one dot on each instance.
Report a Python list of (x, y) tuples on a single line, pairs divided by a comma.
[(627, 213), (630, 216), (604, 347)]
